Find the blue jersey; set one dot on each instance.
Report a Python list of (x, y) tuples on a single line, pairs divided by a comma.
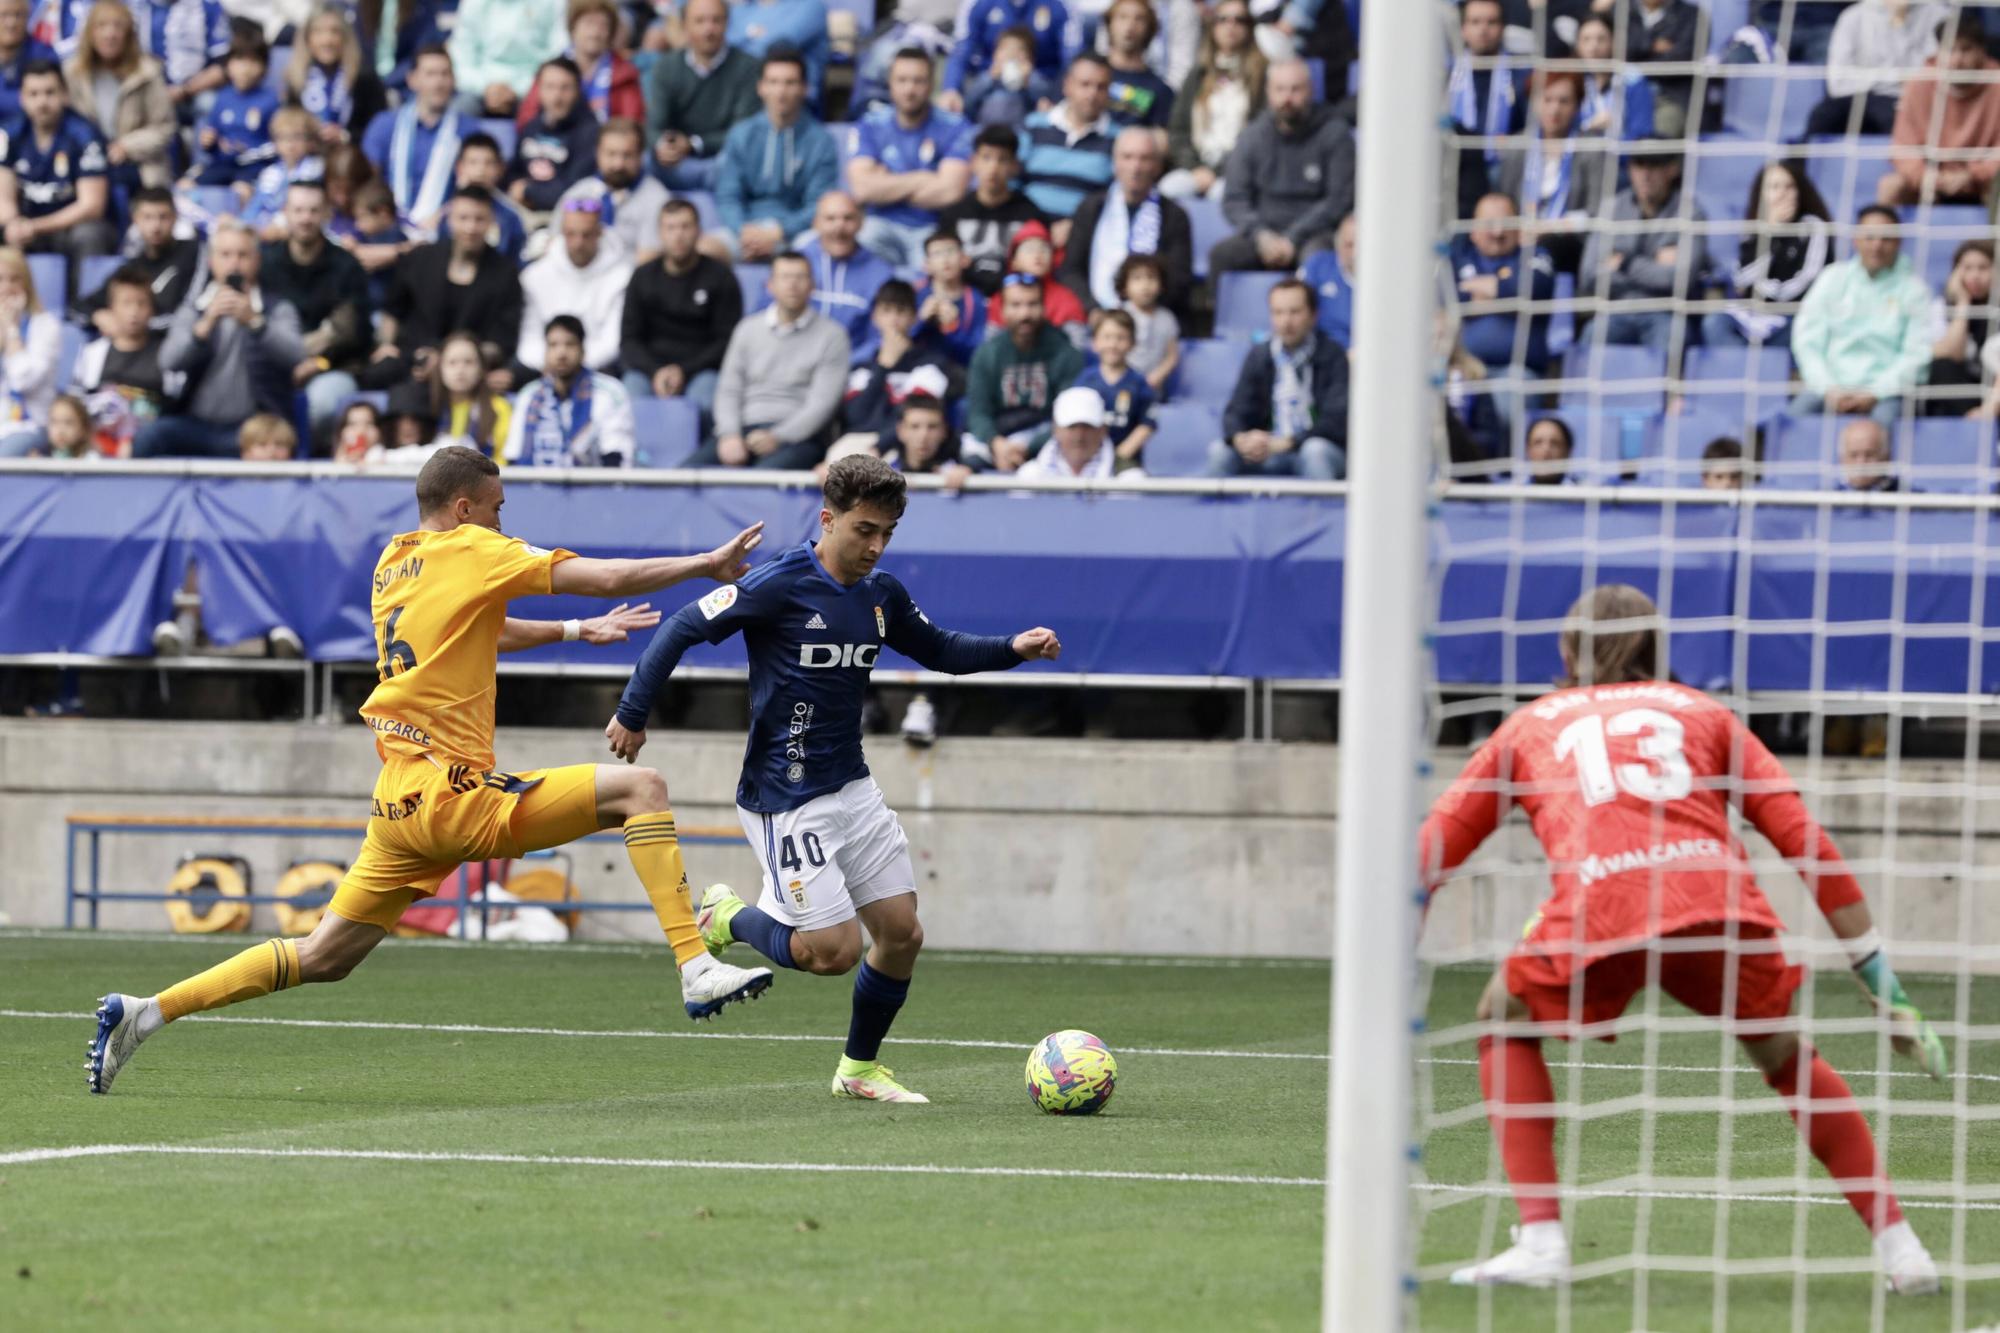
[(242, 124), (47, 174), (1128, 401), (812, 644), (942, 137)]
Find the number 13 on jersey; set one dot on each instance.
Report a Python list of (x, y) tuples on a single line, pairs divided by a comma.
[(1664, 776)]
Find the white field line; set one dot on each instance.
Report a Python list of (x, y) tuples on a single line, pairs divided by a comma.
[(957, 1043), (639, 948), (31, 1156)]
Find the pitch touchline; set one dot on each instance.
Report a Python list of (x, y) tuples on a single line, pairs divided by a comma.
[(957, 1043), (29, 1156)]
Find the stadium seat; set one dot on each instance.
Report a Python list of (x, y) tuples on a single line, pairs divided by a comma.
[(50, 274), (753, 279), (1179, 447), (1242, 303), (73, 339), (1317, 68), (843, 141), (214, 201), (667, 430), (1209, 368), (1800, 452), (1721, 170), (1951, 455), (274, 73), (1608, 366), (1771, 102), (1562, 323), (96, 271), (704, 207), (1845, 176), (1676, 442), (1208, 228), (503, 132), (1724, 18), (1725, 379)]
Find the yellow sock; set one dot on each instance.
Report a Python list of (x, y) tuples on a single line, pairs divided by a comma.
[(258, 970), (656, 855)]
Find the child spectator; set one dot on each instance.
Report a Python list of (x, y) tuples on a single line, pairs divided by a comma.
[(951, 316), (1128, 398), (119, 374), (558, 146), (347, 169), (1033, 254), (295, 139), (1012, 89), (379, 239), (331, 80), (980, 33), (267, 438), (30, 346), (899, 367), (1156, 333), (467, 411), (68, 435), (357, 433), (923, 443), (1722, 465), (236, 132)]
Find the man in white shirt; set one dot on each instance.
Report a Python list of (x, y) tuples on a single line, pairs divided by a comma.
[(583, 277), (1080, 448)]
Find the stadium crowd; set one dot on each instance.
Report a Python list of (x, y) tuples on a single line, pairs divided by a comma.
[(586, 232)]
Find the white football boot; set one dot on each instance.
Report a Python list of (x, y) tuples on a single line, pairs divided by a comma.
[(1906, 1265), (1539, 1257), (707, 985), (123, 1021)]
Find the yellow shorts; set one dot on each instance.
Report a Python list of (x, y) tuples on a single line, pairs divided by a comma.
[(428, 818)]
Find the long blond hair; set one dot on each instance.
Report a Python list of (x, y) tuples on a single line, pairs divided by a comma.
[(1633, 652), (86, 49), (1250, 70), (14, 262), (302, 61)]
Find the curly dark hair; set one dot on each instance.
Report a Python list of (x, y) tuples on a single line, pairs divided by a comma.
[(864, 479)]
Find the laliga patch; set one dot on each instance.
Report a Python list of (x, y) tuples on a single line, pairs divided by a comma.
[(532, 549), (718, 601), (881, 623)]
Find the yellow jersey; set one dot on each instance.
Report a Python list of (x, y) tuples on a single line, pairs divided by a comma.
[(438, 604)]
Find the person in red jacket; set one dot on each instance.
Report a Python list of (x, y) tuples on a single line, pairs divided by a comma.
[(610, 81), (1627, 779), (1031, 252)]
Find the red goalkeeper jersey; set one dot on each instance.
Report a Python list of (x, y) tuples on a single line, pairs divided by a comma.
[(1628, 789)]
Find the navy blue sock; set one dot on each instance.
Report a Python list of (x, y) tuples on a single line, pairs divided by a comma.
[(876, 999), (765, 934)]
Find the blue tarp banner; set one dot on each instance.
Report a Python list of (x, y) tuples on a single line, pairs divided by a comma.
[(1772, 598)]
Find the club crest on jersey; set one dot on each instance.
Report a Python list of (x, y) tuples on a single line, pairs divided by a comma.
[(795, 773), (881, 623), (718, 601)]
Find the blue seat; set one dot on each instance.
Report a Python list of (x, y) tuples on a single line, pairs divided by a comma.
[(1846, 177), (274, 73), (1209, 369), (1317, 68), (1801, 453), (503, 132), (1242, 303), (1207, 228), (1771, 102), (1727, 379), (843, 142), (214, 201), (1629, 379), (704, 207), (1722, 170), (1562, 323), (1724, 18), (1950, 455), (50, 274), (96, 271), (1181, 436), (753, 279), (666, 430), (73, 339)]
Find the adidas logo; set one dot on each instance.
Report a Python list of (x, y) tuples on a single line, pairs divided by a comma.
[(816, 622)]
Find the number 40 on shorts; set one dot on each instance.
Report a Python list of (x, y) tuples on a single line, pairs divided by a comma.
[(788, 852)]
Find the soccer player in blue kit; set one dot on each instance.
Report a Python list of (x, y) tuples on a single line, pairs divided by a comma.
[(814, 619)]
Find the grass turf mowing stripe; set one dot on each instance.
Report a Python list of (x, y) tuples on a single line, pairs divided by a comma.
[(951, 1042)]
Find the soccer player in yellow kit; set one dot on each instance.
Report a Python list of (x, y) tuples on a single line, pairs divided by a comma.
[(439, 606)]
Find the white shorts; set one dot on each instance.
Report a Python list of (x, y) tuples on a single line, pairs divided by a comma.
[(831, 855)]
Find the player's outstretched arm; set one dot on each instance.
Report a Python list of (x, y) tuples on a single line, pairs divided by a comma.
[(911, 633), (614, 626), (1772, 804), (634, 578)]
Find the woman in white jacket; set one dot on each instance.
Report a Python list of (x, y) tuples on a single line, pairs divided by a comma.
[(30, 347)]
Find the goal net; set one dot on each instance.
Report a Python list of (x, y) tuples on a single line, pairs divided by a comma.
[(1675, 352)]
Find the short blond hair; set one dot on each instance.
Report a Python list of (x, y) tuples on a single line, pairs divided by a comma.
[(264, 430)]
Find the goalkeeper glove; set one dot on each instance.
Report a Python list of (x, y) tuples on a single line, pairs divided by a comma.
[(1909, 1031)]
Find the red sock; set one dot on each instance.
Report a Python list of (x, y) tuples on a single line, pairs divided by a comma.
[(1511, 1073), (1838, 1136)]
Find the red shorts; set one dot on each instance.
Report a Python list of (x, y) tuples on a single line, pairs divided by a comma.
[(1698, 978)]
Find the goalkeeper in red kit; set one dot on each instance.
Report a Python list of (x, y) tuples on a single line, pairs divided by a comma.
[(1627, 779)]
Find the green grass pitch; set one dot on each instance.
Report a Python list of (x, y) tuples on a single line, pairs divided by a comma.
[(256, 1241)]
